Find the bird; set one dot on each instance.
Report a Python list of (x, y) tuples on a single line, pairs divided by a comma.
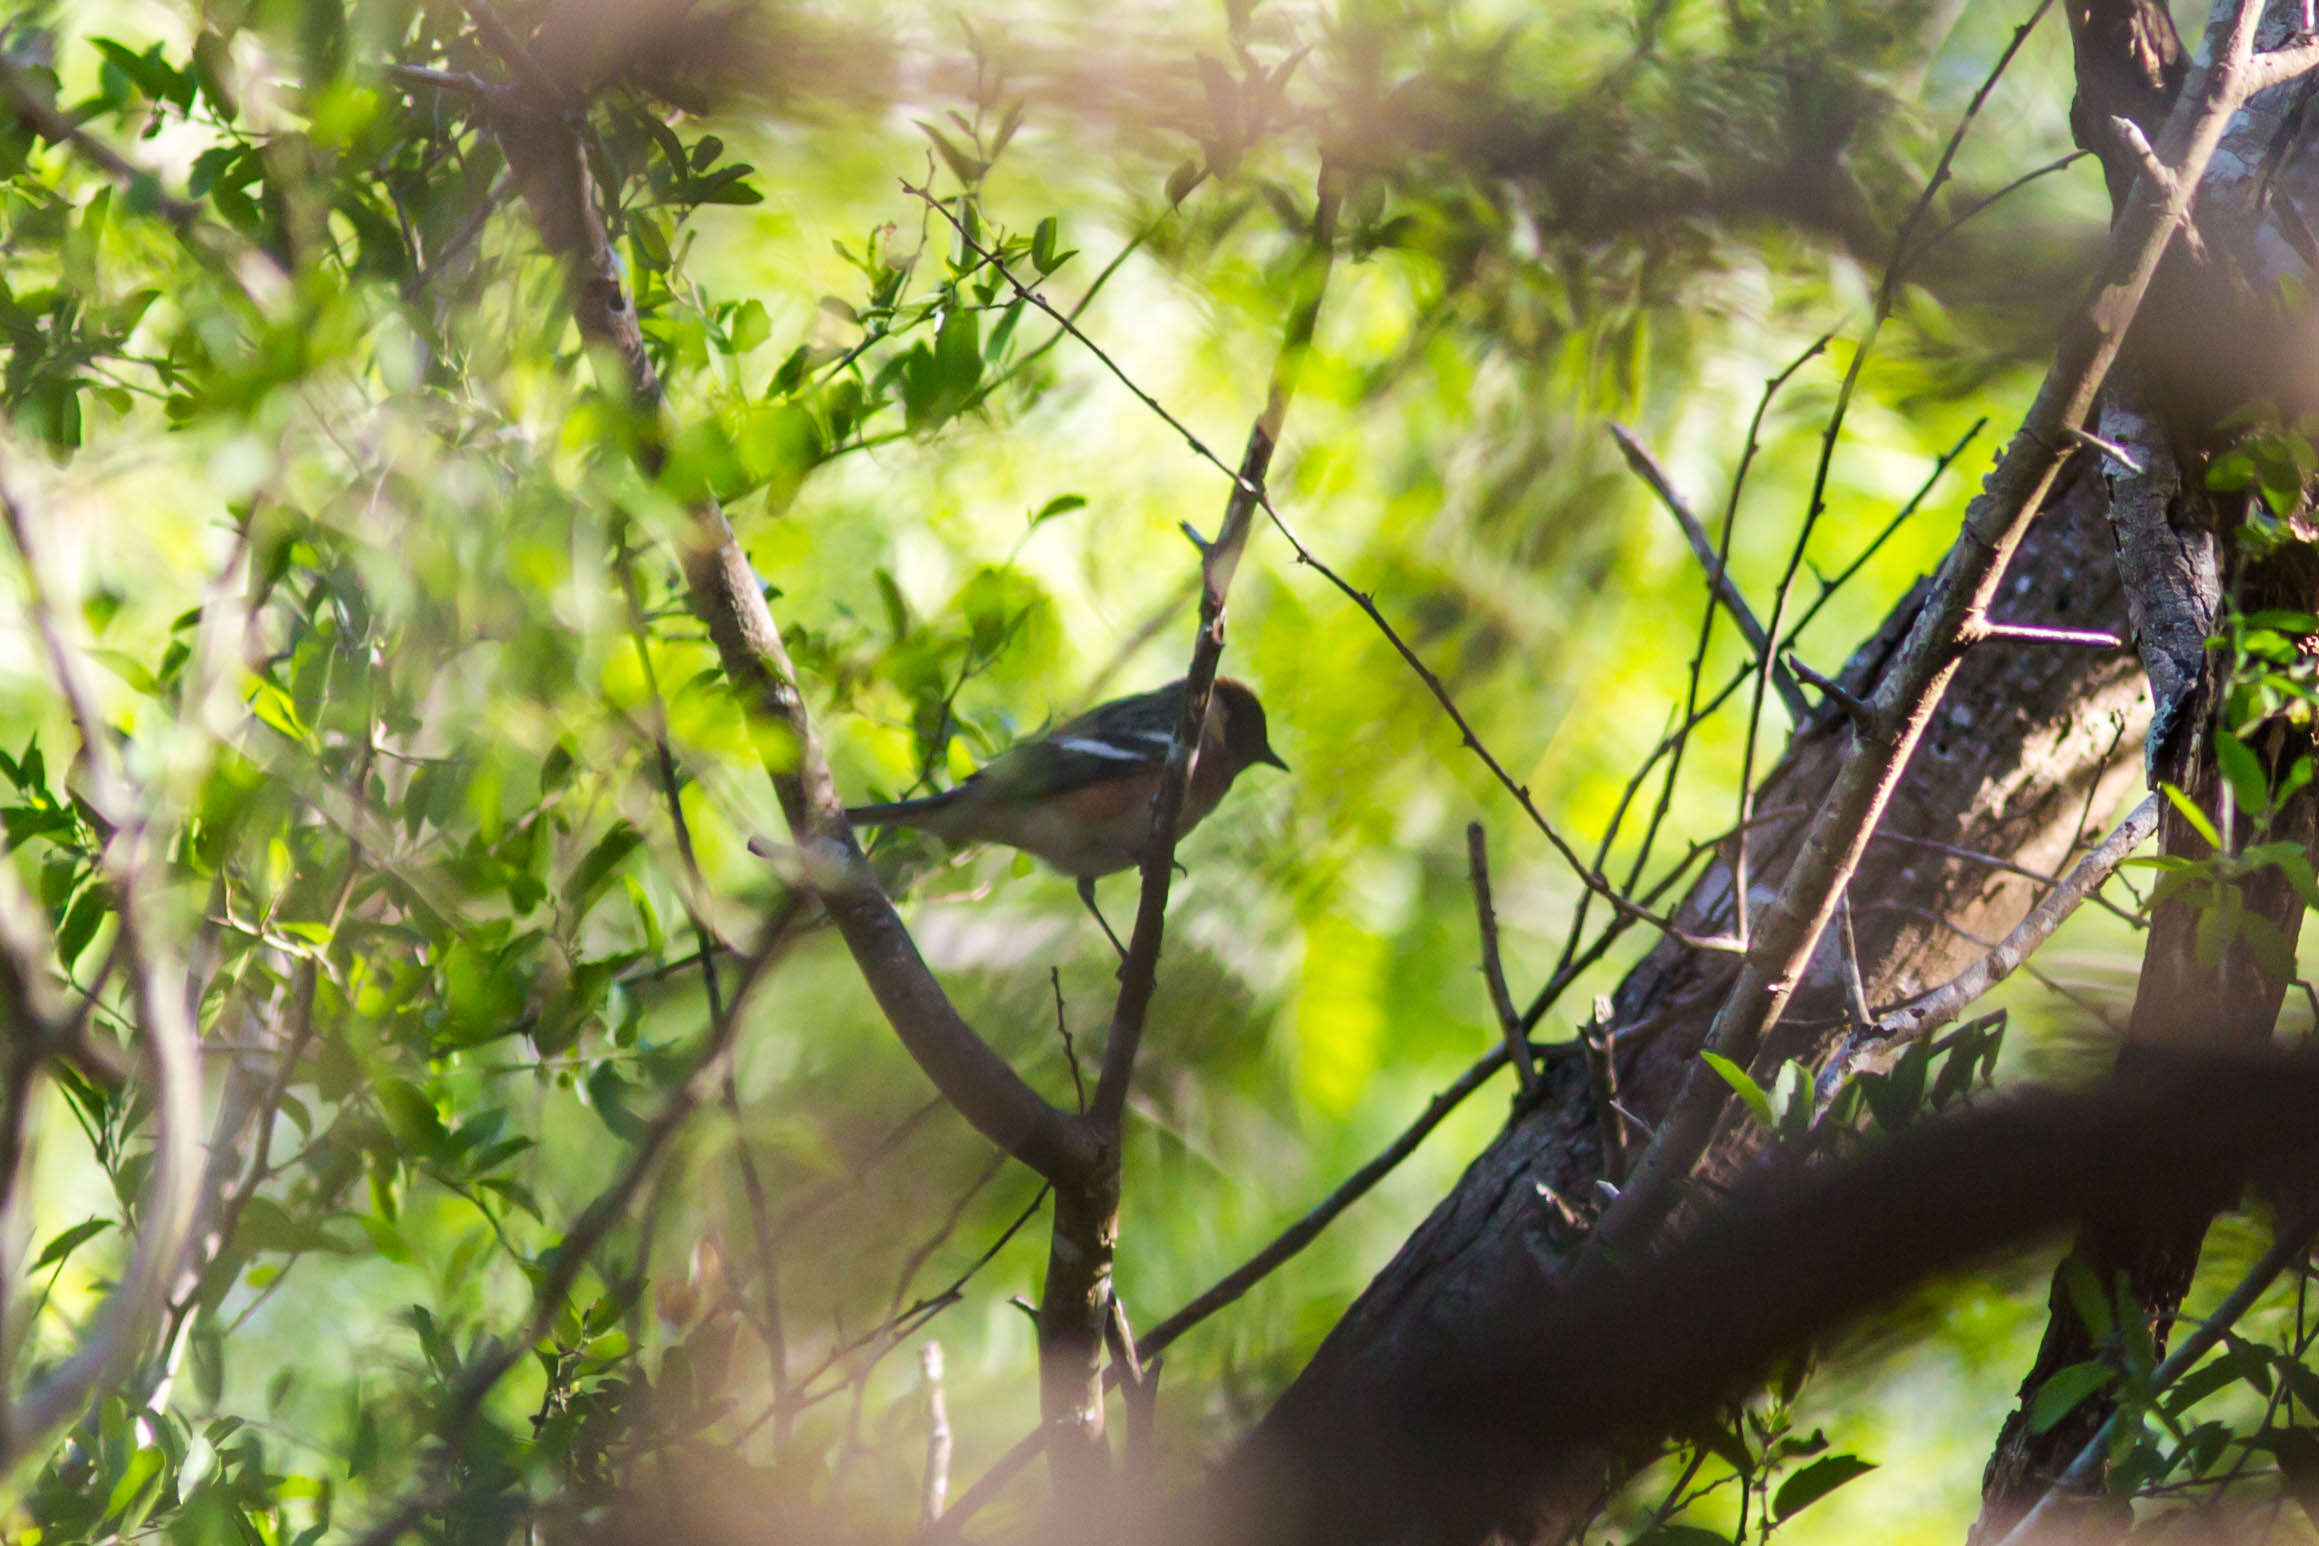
[(1080, 796)]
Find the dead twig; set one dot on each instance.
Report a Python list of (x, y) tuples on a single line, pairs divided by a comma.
[(1477, 848)]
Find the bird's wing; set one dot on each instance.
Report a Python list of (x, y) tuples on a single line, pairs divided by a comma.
[(1119, 739)]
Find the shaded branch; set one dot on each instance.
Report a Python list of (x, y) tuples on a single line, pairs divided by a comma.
[(1447, 1446), (170, 1038), (1937, 1007), (1517, 1040)]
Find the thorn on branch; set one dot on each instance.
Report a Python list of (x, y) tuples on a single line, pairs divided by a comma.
[(1856, 708)]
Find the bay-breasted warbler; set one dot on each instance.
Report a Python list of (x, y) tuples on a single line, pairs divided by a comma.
[(1080, 796)]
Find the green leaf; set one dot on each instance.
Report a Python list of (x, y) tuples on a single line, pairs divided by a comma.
[(67, 1242), (608, 1093), (1043, 245), (2065, 1391), (2243, 771), (411, 1116), (2192, 814), (142, 1471), (963, 166), (750, 326), (594, 872), (1061, 504), (1739, 1079), (89, 910), (1815, 1481)]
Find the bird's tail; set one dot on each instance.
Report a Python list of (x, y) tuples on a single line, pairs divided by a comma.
[(898, 813)]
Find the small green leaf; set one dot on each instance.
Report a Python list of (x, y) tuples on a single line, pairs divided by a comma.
[(2192, 814), (69, 1241), (418, 1129), (2243, 771), (963, 166), (1815, 1481), (1739, 1080), (2065, 1391), (1061, 504), (143, 1469)]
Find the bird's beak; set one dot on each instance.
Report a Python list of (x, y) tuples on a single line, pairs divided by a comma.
[(1268, 755)]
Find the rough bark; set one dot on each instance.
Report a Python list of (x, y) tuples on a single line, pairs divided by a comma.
[(2032, 749), (2176, 551)]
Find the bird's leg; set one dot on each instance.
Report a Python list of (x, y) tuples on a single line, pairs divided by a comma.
[(1087, 895)]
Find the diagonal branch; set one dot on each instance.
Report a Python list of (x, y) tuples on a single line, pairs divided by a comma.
[(1719, 580), (1955, 608), (545, 153), (1931, 1010)]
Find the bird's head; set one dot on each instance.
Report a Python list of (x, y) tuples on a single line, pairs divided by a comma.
[(1245, 739)]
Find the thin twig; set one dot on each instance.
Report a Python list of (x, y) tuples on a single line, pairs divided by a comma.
[(1477, 848), (1937, 1007), (1719, 581), (1992, 861), (935, 1486), (1063, 1031)]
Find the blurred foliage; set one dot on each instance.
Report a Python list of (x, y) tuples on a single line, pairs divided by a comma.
[(394, 636)]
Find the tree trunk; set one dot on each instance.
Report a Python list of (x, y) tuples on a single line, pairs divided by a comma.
[(2034, 747)]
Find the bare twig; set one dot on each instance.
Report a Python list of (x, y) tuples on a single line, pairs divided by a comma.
[(2027, 633), (1592, 878), (1992, 861), (1477, 848), (1599, 1041), (1855, 708), (1063, 1033), (1719, 580)]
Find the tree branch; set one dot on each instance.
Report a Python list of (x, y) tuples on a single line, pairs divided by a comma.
[(1958, 603), (1719, 579), (1931, 1010), (1477, 848), (544, 151)]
